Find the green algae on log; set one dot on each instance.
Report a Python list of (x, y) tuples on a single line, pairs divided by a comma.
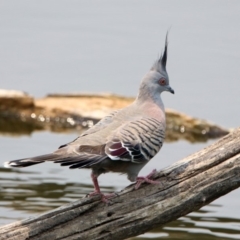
[(22, 114)]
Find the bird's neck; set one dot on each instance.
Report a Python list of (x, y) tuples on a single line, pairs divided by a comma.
[(149, 97), (151, 104)]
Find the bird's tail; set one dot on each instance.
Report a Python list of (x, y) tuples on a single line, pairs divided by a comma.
[(25, 162)]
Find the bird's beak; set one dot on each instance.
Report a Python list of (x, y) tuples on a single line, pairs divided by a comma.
[(169, 89)]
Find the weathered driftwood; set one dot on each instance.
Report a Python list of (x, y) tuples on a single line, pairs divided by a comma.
[(185, 186), (22, 114)]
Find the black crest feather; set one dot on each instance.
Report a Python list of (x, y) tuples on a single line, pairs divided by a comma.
[(163, 58)]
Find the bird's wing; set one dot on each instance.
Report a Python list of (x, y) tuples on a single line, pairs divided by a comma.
[(104, 122), (136, 141)]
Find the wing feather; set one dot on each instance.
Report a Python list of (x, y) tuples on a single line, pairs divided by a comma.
[(136, 141), (104, 122)]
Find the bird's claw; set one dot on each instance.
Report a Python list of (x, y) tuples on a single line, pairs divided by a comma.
[(106, 198), (146, 179)]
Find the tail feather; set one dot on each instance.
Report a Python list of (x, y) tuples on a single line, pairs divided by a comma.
[(25, 162), (79, 161)]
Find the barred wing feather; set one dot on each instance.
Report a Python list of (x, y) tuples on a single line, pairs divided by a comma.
[(136, 141)]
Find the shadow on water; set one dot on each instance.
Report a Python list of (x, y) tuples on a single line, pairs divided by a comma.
[(197, 227), (178, 230), (33, 195)]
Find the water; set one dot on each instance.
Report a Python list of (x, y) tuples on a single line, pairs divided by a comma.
[(105, 46)]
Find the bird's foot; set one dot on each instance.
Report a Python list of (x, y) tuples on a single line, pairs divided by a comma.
[(146, 179), (106, 198)]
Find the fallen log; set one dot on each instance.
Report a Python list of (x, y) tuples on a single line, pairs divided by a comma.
[(185, 186), (22, 114)]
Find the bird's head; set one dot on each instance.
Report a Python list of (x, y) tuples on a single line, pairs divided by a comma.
[(159, 71), (156, 80)]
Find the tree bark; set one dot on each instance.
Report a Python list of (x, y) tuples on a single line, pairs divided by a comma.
[(185, 186)]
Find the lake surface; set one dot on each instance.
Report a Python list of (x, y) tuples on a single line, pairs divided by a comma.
[(105, 46)]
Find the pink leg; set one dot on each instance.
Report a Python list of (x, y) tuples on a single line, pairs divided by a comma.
[(97, 191), (146, 179)]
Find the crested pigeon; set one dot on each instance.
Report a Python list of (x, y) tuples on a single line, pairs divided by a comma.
[(122, 142)]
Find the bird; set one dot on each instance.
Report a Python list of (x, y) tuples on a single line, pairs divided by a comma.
[(122, 142)]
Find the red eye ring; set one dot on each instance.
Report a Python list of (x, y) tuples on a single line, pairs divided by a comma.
[(162, 81)]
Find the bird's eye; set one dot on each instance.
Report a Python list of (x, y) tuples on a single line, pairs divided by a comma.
[(162, 81)]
